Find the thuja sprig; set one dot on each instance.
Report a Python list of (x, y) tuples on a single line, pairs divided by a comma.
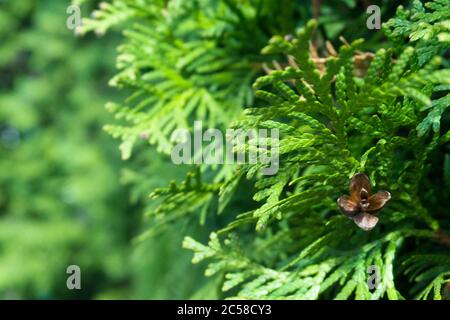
[(333, 123)]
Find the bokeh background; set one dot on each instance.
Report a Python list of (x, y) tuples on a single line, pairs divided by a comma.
[(66, 197)]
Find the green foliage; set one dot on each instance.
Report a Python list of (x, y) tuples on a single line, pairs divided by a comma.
[(187, 60), (383, 113), (183, 64), (429, 267), (427, 25), (321, 132), (191, 195)]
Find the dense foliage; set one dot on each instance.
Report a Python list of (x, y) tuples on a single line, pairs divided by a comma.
[(345, 99)]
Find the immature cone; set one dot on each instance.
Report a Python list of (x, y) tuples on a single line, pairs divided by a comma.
[(361, 206)]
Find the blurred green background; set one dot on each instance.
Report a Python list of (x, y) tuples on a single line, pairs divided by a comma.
[(63, 195)]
